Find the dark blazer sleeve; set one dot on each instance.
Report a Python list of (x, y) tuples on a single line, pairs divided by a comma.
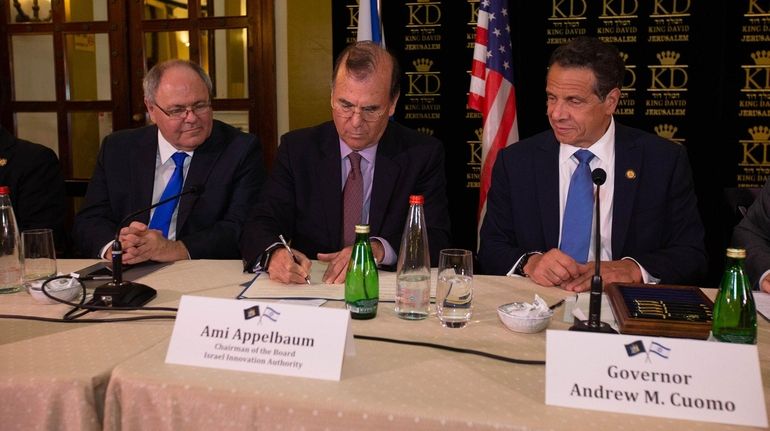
[(753, 234), (412, 164), (499, 247), (39, 200), (214, 224), (665, 233), (274, 213), (95, 224)]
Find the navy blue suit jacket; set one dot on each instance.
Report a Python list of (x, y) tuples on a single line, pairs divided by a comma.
[(34, 176), (302, 198), (655, 218), (228, 165), (753, 234)]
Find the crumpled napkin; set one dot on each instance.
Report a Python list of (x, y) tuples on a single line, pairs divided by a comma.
[(537, 309)]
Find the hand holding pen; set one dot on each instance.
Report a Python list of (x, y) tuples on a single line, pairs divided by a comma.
[(293, 256)]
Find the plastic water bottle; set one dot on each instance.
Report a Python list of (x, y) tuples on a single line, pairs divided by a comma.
[(362, 283), (413, 271), (11, 259)]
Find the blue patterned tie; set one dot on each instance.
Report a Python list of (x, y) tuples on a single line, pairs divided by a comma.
[(161, 218), (576, 225)]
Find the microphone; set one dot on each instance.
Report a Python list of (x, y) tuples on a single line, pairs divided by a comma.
[(119, 293), (594, 322)]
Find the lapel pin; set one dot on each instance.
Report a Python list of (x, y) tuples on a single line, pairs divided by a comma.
[(3, 161), (630, 174)]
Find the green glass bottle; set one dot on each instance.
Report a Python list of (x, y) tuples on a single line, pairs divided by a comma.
[(362, 284), (735, 315)]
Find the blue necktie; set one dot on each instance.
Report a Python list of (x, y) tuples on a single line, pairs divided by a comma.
[(161, 218), (576, 224)]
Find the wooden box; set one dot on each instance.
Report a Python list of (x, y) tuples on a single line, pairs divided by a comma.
[(661, 310)]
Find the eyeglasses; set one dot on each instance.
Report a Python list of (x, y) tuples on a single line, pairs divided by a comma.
[(180, 113), (367, 113)]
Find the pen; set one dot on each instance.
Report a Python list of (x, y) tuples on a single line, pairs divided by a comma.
[(283, 241)]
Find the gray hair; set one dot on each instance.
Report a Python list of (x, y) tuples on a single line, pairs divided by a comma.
[(152, 79)]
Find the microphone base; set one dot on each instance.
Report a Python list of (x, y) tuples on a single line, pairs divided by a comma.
[(588, 326), (124, 294)]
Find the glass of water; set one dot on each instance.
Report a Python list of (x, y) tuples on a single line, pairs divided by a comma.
[(39, 254), (454, 292)]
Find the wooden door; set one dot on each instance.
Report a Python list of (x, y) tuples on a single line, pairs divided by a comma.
[(72, 69)]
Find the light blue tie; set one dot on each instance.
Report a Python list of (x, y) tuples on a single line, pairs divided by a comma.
[(161, 218), (576, 225)]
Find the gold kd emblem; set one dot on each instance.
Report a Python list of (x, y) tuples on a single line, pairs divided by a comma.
[(630, 174), (3, 162)]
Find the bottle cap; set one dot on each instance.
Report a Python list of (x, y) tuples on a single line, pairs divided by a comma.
[(5, 190), (362, 228), (736, 253), (416, 200)]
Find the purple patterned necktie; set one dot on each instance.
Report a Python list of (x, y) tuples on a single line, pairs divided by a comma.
[(352, 200)]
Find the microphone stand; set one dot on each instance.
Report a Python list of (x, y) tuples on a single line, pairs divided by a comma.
[(120, 293), (594, 322)]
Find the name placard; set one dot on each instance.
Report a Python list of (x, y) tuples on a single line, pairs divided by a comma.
[(664, 377), (261, 337)]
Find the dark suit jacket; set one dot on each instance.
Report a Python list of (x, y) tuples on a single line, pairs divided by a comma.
[(228, 165), (753, 234), (34, 176), (655, 218), (302, 198)]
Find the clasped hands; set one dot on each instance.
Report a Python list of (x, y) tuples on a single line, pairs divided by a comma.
[(284, 269), (140, 243), (555, 268)]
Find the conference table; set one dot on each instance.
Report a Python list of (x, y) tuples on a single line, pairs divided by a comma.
[(113, 375)]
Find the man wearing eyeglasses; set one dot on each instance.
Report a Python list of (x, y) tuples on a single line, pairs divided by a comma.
[(307, 197), (218, 168)]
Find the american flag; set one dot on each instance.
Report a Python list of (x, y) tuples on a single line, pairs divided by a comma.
[(370, 22), (492, 92)]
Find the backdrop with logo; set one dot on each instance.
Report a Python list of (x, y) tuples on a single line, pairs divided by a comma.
[(697, 73)]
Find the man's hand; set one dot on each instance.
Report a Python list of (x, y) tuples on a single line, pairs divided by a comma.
[(284, 269), (140, 243), (616, 271), (338, 262), (552, 268)]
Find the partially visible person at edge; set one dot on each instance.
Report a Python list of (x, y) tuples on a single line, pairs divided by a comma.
[(753, 234), (650, 227), (135, 166), (33, 175), (303, 198)]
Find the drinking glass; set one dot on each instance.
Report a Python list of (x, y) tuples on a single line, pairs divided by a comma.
[(39, 254), (454, 292)]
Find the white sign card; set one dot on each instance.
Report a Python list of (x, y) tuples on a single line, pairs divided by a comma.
[(261, 337), (664, 377)]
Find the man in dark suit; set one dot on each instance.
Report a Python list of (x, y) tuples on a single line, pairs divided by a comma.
[(303, 197), (651, 230), (34, 176), (136, 167), (753, 234)]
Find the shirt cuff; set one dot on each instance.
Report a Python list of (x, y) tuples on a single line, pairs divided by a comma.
[(390, 254), (104, 250), (647, 278), (512, 272)]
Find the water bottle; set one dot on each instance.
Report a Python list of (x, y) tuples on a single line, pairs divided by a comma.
[(362, 283), (11, 259), (735, 316), (413, 270)]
